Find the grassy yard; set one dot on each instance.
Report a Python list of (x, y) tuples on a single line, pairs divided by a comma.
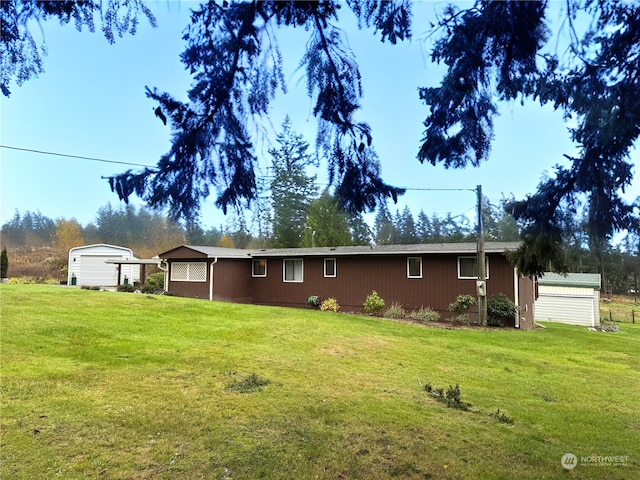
[(122, 386)]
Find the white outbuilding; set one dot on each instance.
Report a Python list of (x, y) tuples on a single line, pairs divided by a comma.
[(88, 266), (573, 298)]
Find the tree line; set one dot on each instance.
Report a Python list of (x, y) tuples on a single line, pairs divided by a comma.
[(293, 211)]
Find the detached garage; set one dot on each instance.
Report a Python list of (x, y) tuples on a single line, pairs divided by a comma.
[(88, 266), (572, 299)]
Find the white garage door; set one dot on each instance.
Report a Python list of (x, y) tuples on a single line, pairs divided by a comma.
[(575, 306), (94, 271)]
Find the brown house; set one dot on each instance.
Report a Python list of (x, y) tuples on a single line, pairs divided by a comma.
[(412, 275)]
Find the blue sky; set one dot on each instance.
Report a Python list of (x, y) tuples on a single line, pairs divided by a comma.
[(90, 102)]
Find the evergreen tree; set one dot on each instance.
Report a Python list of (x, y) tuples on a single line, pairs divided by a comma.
[(383, 226), (327, 224), (291, 188), (406, 228), (4, 263), (360, 231)]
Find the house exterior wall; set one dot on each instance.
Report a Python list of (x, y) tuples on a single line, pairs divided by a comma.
[(357, 276), (230, 280), (87, 264), (526, 303)]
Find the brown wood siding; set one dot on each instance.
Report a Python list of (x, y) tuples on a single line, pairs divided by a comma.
[(189, 289), (357, 276), (231, 280)]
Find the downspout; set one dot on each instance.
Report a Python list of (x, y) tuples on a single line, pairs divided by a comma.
[(165, 268), (215, 260)]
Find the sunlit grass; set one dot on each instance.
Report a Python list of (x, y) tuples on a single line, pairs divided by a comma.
[(114, 385)]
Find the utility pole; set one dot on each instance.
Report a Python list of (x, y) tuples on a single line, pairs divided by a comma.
[(482, 265)]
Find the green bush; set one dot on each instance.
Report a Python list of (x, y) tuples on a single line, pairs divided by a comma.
[(499, 309), (462, 304), (329, 305), (395, 311), (125, 287), (425, 314), (154, 283), (373, 303)]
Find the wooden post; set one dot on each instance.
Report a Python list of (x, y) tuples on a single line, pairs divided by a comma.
[(633, 316), (610, 317), (482, 273)]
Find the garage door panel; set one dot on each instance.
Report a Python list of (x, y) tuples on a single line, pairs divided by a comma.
[(573, 306), (94, 271)]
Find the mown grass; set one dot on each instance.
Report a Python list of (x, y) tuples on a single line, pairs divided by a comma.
[(124, 386)]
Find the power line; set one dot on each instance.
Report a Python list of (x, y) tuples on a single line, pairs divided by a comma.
[(266, 177), (74, 156)]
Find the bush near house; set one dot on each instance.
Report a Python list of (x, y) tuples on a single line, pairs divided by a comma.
[(373, 303), (461, 306), (499, 309), (154, 283)]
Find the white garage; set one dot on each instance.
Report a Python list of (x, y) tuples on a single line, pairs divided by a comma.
[(88, 266), (572, 299)]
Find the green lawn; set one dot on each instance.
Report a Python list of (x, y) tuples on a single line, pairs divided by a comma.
[(122, 386)]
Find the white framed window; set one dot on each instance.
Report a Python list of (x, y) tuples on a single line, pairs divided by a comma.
[(292, 270), (259, 268), (330, 267), (414, 267), (189, 271), (468, 268)]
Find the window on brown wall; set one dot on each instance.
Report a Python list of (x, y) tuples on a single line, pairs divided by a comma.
[(468, 267), (414, 267), (330, 267), (293, 270), (259, 268), (189, 272)]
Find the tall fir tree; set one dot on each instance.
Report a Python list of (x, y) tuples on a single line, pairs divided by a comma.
[(291, 188)]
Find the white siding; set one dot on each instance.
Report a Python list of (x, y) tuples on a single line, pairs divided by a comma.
[(88, 265), (572, 305)]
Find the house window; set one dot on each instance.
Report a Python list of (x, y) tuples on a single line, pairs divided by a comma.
[(259, 268), (329, 267), (189, 272), (468, 268), (293, 270), (414, 267)]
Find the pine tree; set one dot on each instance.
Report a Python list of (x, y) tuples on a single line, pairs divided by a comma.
[(291, 188)]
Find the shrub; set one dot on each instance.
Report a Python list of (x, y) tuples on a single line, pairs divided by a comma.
[(500, 308), (329, 305), (452, 397), (125, 287), (425, 314), (395, 311), (373, 303), (154, 283), (462, 304)]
